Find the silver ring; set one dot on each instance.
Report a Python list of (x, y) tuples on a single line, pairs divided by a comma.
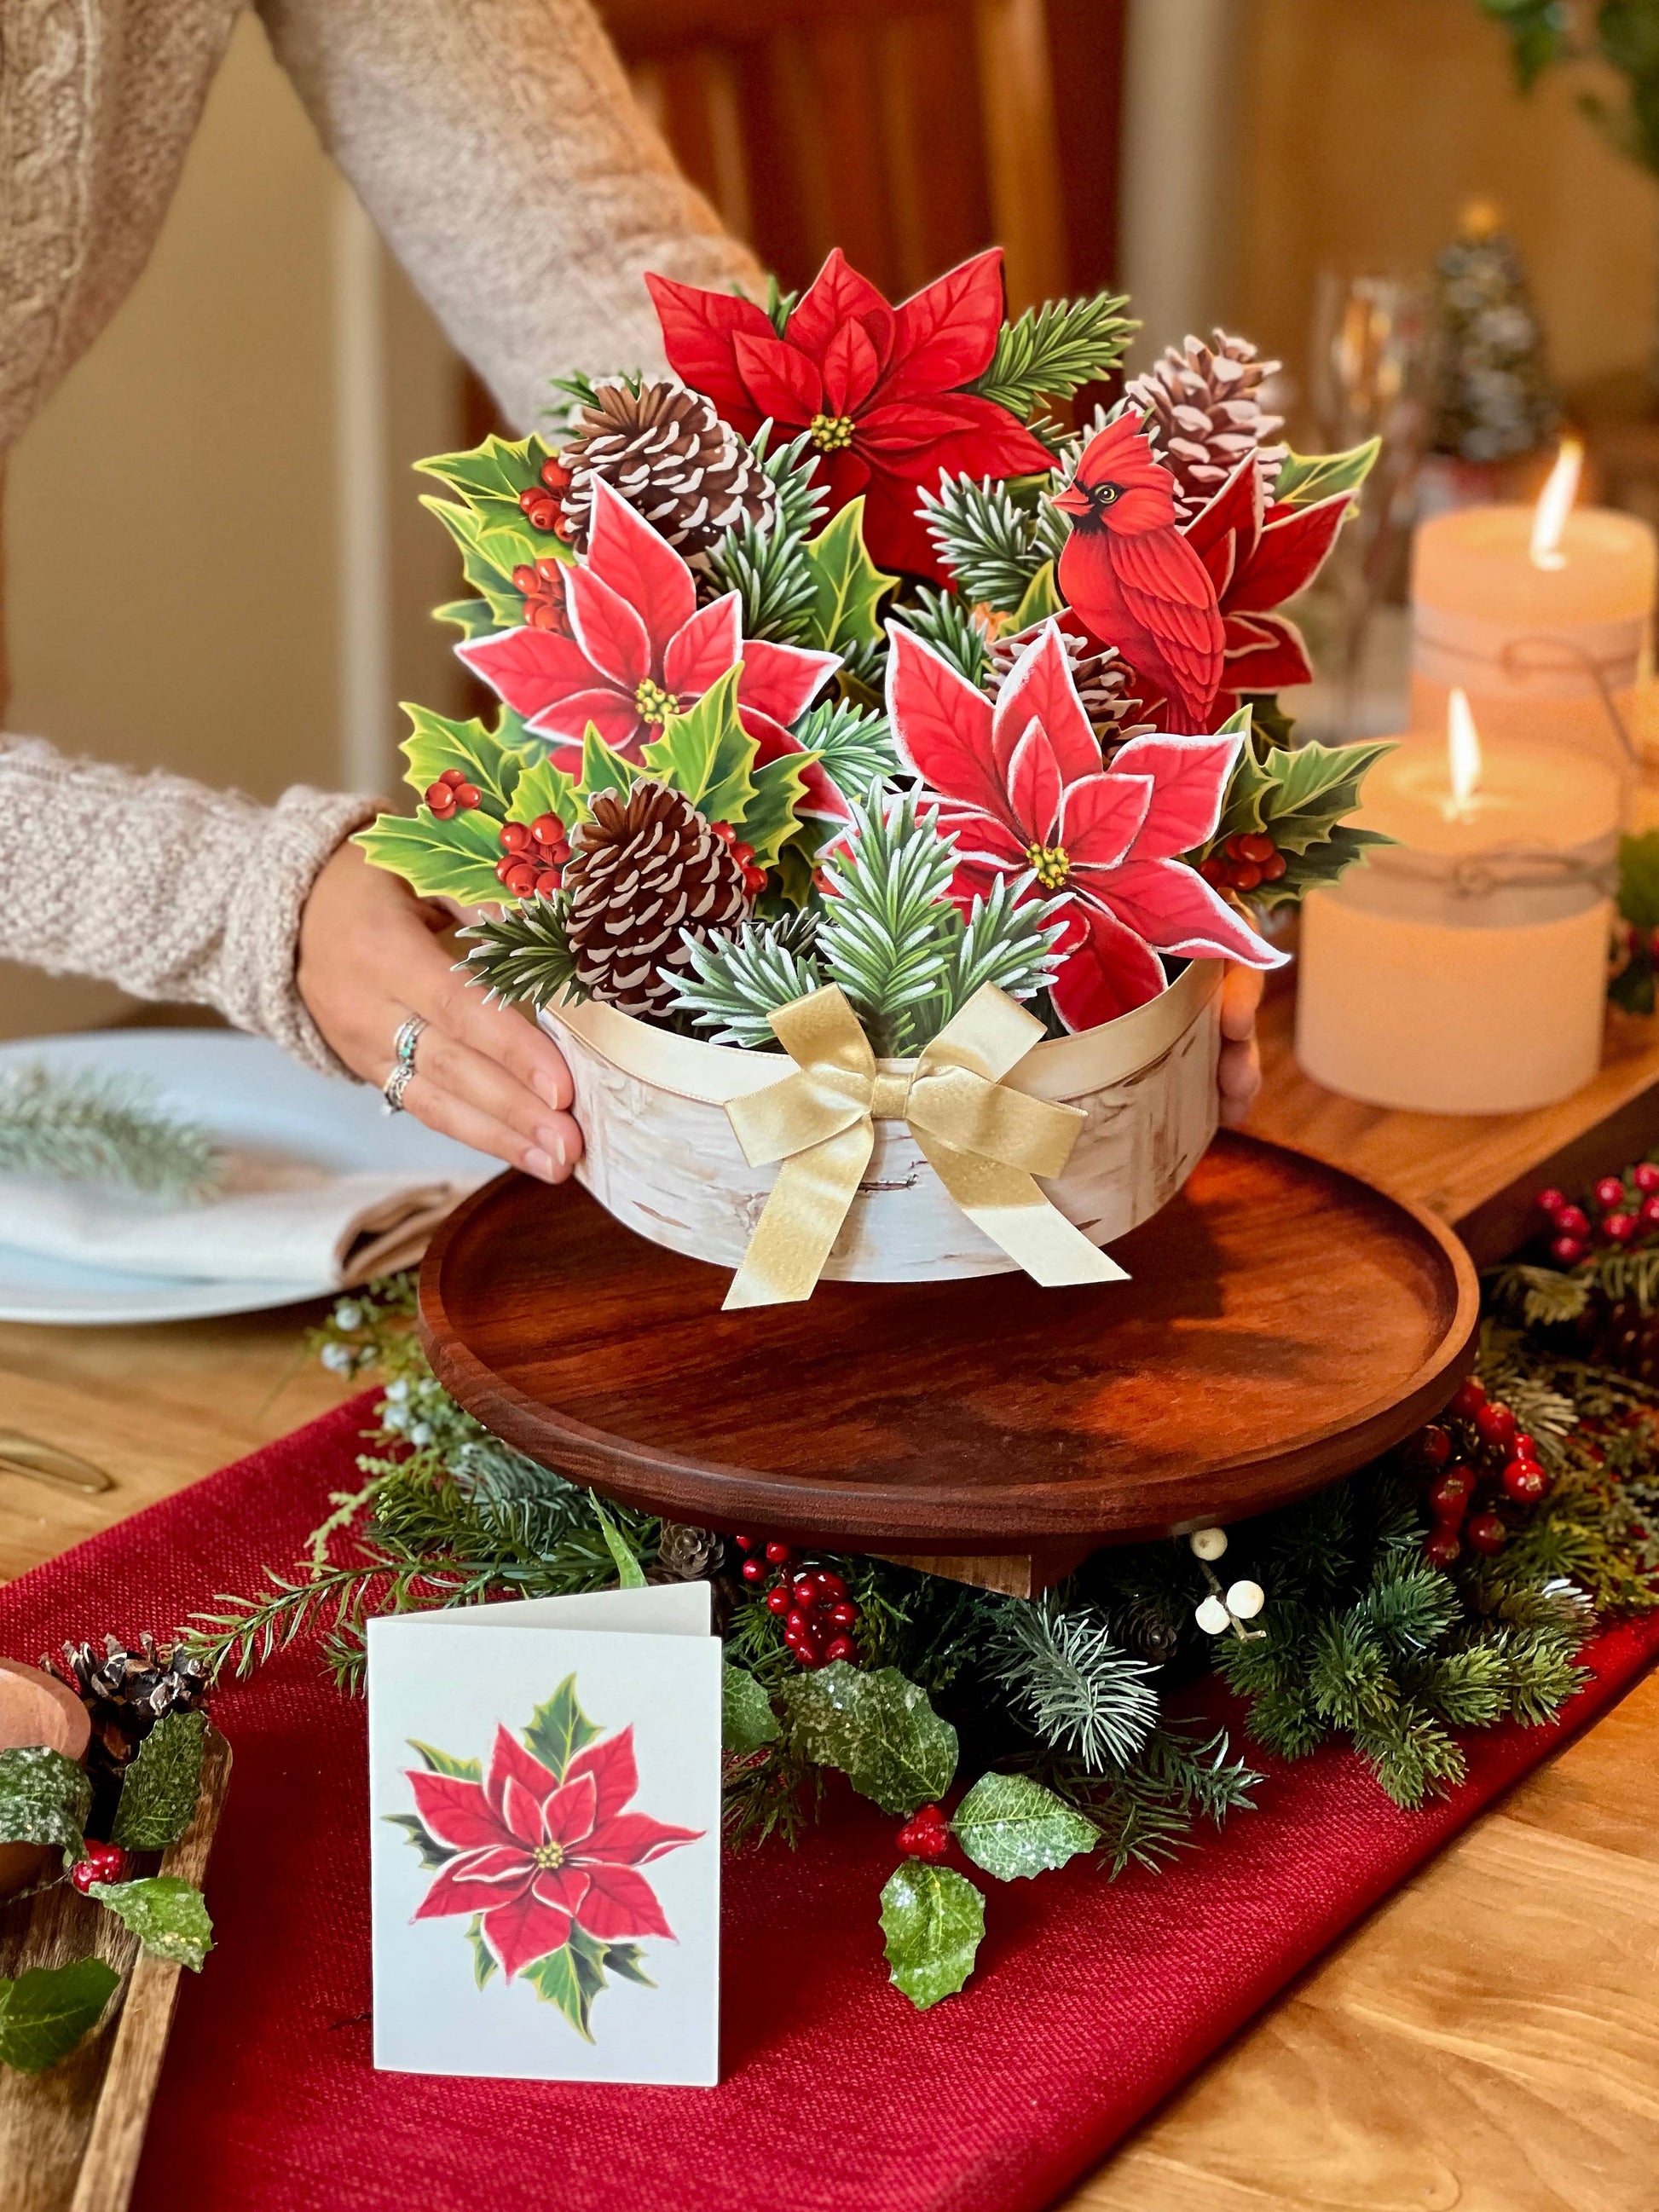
[(408, 1037), (396, 1084)]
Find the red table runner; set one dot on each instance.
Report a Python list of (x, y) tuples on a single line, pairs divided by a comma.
[(1092, 1998)]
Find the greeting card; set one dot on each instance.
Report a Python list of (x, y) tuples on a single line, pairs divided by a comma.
[(545, 1801)]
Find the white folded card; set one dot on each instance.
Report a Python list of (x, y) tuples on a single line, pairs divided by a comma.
[(544, 1799)]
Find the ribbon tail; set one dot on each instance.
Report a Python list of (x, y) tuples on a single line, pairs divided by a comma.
[(801, 1219), (1019, 1217)]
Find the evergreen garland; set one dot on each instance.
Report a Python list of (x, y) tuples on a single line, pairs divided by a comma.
[(90, 1127)]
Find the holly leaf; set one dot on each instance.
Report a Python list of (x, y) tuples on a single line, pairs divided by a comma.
[(541, 789), (159, 1787), (747, 1720), (708, 754), (1306, 478), (498, 470), (624, 1959), (44, 1798), (1638, 881), (1326, 862), (603, 769), (444, 1762), (559, 1729), (484, 1959), (1013, 1828), (1312, 787), (878, 1729), (435, 743), (557, 1981), (432, 1853), (770, 819), (847, 587), (1631, 989), (45, 2012), (932, 1920), (168, 1916), (439, 860), (1041, 599), (472, 617), (487, 570)]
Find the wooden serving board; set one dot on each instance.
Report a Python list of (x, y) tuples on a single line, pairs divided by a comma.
[(70, 2137), (1283, 1322)]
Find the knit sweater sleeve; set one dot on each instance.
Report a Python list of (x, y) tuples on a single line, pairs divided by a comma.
[(499, 148), (196, 897)]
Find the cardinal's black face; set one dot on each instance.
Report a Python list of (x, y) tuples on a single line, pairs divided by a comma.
[(1088, 504)]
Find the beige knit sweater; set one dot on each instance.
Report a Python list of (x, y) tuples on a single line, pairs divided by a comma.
[(497, 146)]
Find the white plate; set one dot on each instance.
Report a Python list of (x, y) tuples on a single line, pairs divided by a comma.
[(245, 1092)]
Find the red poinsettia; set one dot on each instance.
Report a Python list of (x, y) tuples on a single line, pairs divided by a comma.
[(631, 646), (878, 388), (536, 1852), (1259, 554), (1021, 787)]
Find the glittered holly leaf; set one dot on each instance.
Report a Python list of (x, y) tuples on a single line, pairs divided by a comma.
[(1041, 599), (44, 1798), (932, 1919), (1306, 478), (432, 1852), (847, 587), (45, 2013), (159, 1789), (484, 1959), (1012, 1828), (445, 1762), (747, 1720), (439, 860), (559, 1729), (168, 1916), (435, 743), (878, 1729), (630, 1575), (558, 1980), (708, 754)]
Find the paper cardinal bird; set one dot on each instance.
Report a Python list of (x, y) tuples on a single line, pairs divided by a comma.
[(1133, 579)]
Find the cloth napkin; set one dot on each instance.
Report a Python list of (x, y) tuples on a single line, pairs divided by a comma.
[(273, 1220)]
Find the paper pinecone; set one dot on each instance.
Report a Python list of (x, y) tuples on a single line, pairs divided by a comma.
[(646, 867), (667, 453), (1105, 683), (1205, 413), (126, 1692)]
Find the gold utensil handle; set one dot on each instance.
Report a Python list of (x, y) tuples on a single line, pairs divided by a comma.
[(45, 1462)]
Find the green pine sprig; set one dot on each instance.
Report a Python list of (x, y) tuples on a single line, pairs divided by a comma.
[(854, 744), (1048, 351), (739, 982), (1069, 1683), (942, 620), (88, 1126), (986, 538), (524, 958)]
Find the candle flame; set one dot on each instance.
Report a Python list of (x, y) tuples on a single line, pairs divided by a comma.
[(1462, 755), (1555, 504)]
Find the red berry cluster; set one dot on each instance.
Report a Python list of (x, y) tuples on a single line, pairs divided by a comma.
[(542, 586), (532, 855), (754, 876), (540, 504), (452, 794), (1244, 862), (925, 1834), (1484, 1447), (103, 1863), (1627, 1207), (818, 1615)]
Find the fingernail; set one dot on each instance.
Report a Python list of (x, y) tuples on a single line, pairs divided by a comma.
[(537, 1162), (547, 1090), (555, 1145)]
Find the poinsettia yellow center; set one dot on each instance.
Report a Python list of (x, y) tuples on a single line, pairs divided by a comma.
[(1053, 864), (831, 434), (654, 704), (547, 1857)]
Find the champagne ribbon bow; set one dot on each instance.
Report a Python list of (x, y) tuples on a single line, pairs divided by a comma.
[(984, 1141)]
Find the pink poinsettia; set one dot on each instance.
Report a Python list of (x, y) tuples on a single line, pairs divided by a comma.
[(1259, 554), (877, 387), (536, 1852), (633, 647), (1021, 787)]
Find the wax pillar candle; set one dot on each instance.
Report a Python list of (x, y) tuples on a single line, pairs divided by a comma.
[(1464, 971), (36, 1710), (1533, 641)]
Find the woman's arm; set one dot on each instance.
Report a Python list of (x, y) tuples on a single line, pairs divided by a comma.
[(502, 153)]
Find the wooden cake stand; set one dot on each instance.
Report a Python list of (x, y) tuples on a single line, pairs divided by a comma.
[(1285, 1322)]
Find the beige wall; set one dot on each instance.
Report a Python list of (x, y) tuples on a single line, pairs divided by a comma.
[(173, 519), (1362, 125)]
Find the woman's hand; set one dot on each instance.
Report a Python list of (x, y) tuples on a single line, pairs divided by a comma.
[(1238, 1076), (370, 955)]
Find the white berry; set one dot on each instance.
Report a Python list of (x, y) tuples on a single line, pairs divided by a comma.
[(1208, 1543), (1212, 1616), (1246, 1600)]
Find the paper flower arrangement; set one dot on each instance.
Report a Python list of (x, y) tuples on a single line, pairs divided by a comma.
[(832, 657)]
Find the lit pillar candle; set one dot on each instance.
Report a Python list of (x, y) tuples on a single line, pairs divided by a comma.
[(36, 1710), (1536, 612), (1463, 970)]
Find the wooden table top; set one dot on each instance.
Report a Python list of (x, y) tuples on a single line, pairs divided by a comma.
[(1485, 2039)]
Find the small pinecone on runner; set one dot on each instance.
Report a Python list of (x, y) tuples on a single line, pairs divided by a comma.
[(667, 453), (1205, 413), (1105, 681), (126, 1692), (646, 867), (685, 1554)]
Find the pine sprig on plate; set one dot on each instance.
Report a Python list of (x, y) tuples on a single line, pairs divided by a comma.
[(1048, 351), (89, 1126)]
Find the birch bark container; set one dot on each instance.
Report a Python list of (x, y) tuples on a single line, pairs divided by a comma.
[(661, 1156)]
